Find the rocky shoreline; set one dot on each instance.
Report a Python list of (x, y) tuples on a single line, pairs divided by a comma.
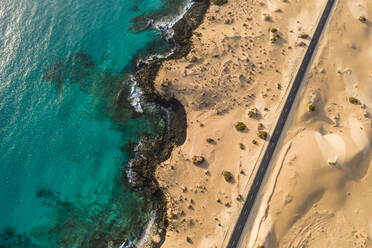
[(155, 150)]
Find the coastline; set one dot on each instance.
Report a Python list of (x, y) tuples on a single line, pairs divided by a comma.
[(234, 67), (152, 152)]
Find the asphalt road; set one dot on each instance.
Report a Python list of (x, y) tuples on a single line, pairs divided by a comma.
[(253, 192)]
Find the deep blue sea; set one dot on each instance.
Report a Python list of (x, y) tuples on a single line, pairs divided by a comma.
[(63, 64)]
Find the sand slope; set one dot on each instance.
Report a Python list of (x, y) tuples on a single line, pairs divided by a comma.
[(323, 191)]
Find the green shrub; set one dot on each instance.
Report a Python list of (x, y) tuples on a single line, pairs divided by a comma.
[(362, 19), (311, 107), (273, 30), (240, 126), (262, 134), (239, 197), (228, 176), (303, 36), (353, 100), (188, 240)]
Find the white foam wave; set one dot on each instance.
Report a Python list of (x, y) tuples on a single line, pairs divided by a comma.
[(135, 96), (166, 23), (147, 230)]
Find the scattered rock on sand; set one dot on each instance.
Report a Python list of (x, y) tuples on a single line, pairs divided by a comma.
[(301, 44), (253, 113), (198, 160), (218, 2), (260, 126), (332, 161)]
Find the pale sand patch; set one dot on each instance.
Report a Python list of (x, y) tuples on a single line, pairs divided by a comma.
[(358, 134), (351, 83), (358, 8), (332, 148)]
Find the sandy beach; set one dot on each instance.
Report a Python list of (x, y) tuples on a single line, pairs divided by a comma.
[(243, 58), (319, 191)]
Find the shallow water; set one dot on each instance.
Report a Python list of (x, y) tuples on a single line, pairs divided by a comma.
[(63, 66)]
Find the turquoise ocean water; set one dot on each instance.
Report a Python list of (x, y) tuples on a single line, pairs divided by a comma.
[(63, 64)]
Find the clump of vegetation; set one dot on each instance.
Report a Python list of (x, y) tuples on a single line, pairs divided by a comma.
[(362, 19), (193, 59), (266, 17), (242, 146), (240, 126), (218, 2), (262, 134), (260, 126), (188, 240), (253, 113), (228, 176), (198, 160), (274, 37), (260, 246), (211, 141), (311, 107), (254, 142), (353, 100), (273, 30), (303, 36), (301, 44), (165, 83), (228, 21)]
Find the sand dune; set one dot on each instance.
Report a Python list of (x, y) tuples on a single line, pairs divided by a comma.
[(323, 190)]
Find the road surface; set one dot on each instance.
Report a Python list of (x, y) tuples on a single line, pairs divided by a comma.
[(249, 201)]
